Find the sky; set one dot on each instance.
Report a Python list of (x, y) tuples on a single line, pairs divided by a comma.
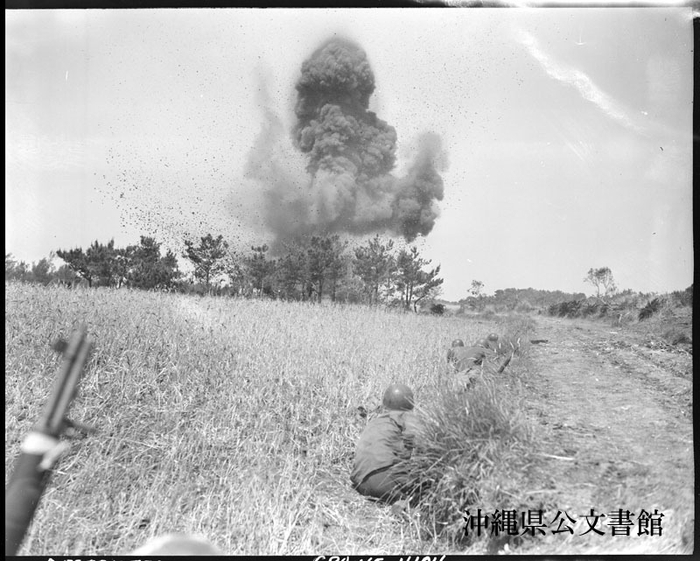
[(562, 137)]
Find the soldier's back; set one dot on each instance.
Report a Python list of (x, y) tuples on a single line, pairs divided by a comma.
[(465, 358)]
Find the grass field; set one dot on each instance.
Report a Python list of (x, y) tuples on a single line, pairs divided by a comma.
[(237, 420)]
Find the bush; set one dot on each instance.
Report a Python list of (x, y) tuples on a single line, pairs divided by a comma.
[(625, 317), (683, 297), (676, 336), (466, 437), (594, 309), (650, 309), (488, 313), (515, 331), (569, 309), (524, 307), (437, 309)]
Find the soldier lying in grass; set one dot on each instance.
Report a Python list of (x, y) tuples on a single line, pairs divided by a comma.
[(467, 362), (451, 352), (465, 358), (387, 440)]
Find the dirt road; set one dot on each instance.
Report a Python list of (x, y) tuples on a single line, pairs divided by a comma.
[(615, 421)]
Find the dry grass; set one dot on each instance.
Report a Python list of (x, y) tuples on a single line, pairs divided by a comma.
[(472, 454), (228, 418), (237, 420)]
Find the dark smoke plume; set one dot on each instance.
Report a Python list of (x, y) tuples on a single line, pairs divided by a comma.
[(350, 155)]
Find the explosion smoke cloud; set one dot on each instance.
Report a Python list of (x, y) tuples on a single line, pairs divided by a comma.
[(350, 154)]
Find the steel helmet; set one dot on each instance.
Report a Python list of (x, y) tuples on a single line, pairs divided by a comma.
[(457, 343), (482, 343), (398, 397), (493, 337)]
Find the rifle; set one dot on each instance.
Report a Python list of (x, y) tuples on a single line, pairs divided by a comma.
[(42, 446), (506, 362)]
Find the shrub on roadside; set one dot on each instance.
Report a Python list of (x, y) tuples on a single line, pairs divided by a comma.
[(650, 309), (467, 438), (676, 336), (524, 307), (515, 331), (683, 297), (566, 309)]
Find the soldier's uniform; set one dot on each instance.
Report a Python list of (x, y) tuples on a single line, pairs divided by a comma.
[(465, 358), (451, 352), (451, 355), (386, 441), (467, 362)]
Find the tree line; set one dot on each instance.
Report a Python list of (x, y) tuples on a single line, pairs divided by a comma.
[(513, 299), (555, 302), (312, 269)]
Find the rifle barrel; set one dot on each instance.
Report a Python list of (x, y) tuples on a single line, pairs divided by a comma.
[(53, 419), (29, 478)]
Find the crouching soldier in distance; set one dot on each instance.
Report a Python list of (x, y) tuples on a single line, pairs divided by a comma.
[(466, 358), (386, 442), (467, 362), (451, 351), (493, 341)]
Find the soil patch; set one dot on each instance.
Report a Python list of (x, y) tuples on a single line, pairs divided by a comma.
[(615, 418)]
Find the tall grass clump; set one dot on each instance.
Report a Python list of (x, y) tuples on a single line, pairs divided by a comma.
[(650, 309), (515, 331), (676, 336), (467, 457)]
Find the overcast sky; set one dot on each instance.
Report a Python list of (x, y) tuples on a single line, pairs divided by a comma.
[(567, 133)]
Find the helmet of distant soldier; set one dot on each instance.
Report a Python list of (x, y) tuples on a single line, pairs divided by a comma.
[(398, 397), (457, 343), (493, 337), (482, 343)]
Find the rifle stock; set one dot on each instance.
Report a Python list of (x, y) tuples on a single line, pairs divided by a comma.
[(32, 468)]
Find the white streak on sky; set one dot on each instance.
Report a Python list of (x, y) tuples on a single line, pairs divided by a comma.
[(579, 80), (577, 148)]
